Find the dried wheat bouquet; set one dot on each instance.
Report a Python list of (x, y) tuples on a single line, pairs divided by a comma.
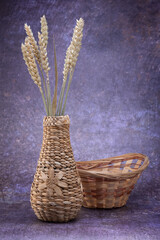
[(36, 59)]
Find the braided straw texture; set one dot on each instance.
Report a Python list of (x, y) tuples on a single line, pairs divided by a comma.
[(56, 193), (107, 183)]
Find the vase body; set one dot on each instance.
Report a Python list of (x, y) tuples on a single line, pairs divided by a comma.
[(56, 193)]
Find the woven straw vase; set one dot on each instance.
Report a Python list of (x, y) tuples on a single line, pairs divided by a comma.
[(56, 193)]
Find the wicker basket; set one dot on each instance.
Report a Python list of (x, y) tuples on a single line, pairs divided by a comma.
[(107, 183)]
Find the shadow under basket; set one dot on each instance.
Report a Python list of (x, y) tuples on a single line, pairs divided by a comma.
[(107, 183)]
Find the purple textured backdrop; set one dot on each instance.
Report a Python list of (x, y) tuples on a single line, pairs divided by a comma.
[(113, 106)]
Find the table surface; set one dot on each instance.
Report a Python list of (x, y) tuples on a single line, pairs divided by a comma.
[(139, 219)]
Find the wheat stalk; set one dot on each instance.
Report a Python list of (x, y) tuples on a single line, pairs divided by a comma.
[(28, 56), (36, 53), (45, 65), (54, 102), (70, 61), (69, 83)]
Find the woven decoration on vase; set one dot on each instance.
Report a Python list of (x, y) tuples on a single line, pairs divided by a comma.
[(107, 183), (56, 192)]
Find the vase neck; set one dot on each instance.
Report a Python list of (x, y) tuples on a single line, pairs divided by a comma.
[(56, 137), (56, 121)]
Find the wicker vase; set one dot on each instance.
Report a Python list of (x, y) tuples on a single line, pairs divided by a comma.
[(56, 193)]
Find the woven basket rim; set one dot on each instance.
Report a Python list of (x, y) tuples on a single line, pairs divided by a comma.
[(110, 174)]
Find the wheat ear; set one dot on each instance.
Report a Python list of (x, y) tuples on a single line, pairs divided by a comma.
[(33, 43), (44, 30), (28, 56), (36, 53), (45, 65)]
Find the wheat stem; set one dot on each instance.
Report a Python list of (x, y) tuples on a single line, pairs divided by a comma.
[(69, 83), (49, 97), (43, 98), (61, 97), (44, 85), (54, 102), (57, 113)]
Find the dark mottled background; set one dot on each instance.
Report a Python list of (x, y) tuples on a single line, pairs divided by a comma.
[(113, 106)]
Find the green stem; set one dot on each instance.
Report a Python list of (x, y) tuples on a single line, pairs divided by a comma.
[(57, 113), (54, 102), (45, 91), (41, 91), (69, 83), (61, 98), (49, 97)]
